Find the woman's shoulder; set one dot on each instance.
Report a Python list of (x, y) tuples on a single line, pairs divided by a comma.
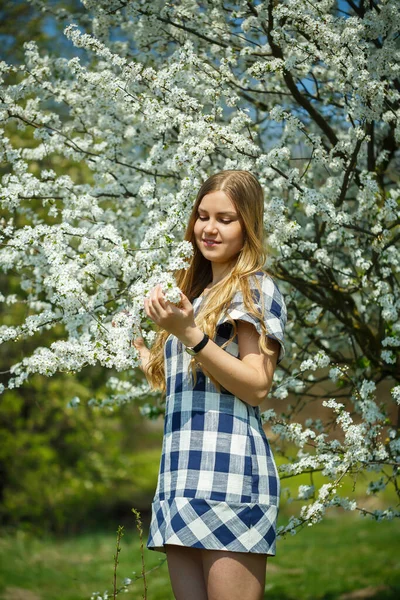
[(266, 291), (264, 282)]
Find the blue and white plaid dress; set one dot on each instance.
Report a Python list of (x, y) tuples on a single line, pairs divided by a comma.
[(218, 485)]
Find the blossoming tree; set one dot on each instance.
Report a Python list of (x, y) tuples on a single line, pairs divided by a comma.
[(306, 95)]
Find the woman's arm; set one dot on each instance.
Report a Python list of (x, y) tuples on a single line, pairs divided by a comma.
[(248, 377)]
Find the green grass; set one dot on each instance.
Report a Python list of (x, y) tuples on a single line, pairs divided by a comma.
[(345, 553)]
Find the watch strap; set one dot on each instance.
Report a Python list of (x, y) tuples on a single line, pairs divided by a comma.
[(198, 346)]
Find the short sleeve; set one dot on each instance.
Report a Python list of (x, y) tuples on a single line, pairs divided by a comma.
[(269, 301)]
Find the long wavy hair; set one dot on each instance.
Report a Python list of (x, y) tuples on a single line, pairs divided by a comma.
[(246, 193)]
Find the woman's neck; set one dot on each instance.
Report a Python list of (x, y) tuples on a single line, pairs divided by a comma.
[(212, 284), (219, 272)]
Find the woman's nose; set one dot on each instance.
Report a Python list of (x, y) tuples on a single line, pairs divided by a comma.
[(210, 226)]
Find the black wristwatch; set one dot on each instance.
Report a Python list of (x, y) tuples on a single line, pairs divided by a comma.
[(193, 351)]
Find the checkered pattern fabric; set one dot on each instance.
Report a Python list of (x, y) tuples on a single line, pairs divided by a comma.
[(218, 485)]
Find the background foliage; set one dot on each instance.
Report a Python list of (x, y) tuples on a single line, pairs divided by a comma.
[(63, 468), (156, 96)]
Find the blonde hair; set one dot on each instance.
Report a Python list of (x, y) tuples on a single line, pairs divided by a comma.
[(246, 194)]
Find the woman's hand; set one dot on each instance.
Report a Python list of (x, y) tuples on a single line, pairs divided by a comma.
[(177, 321), (139, 344)]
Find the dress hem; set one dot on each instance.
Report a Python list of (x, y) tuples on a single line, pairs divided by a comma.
[(162, 549), (213, 525)]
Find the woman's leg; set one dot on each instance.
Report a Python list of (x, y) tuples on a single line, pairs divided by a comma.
[(234, 575), (186, 572)]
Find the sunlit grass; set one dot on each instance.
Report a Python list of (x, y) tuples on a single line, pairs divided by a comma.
[(342, 554)]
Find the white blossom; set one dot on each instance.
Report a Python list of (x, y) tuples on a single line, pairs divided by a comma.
[(147, 127)]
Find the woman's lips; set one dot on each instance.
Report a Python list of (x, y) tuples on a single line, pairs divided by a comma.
[(210, 243)]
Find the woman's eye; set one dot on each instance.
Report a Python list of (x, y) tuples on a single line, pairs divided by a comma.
[(222, 220)]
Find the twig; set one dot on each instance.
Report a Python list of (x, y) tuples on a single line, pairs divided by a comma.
[(119, 536), (139, 527)]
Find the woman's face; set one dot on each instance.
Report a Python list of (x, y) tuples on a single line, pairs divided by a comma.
[(218, 220)]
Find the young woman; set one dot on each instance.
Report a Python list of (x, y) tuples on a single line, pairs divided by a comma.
[(216, 503)]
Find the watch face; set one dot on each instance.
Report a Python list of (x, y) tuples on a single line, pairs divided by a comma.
[(190, 351)]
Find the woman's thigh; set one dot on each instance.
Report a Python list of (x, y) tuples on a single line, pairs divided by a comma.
[(186, 572), (234, 575)]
